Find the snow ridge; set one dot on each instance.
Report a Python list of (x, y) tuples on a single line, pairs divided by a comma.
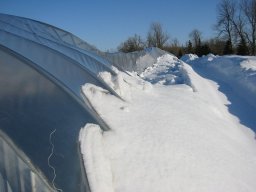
[(237, 71), (97, 165), (168, 70), (123, 84), (167, 138)]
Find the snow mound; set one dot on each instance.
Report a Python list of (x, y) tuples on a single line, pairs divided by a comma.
[(168, 70), (123, 84), (211, 55), (238, 72), (97, 165), (117, 83), (249, 64), (188, 57), (169, 138)]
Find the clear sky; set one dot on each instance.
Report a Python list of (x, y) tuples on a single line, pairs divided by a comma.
[(106, 23)]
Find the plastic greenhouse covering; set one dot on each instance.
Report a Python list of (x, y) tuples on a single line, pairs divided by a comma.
[(42, 69), (136, 61)]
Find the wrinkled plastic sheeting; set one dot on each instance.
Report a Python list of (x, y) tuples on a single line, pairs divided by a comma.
[(16, 171), (136, 61)]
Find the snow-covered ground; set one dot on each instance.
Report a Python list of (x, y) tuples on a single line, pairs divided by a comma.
[(236, 71), (236, 78), (167, 71), (173, 131)]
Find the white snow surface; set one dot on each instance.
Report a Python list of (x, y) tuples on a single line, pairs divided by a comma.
[(189, 57), (236, 71), (168, 70), (97, 165), (249, 64), (167, 136)]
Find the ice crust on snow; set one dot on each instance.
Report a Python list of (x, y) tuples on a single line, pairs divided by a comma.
[(168, 138)]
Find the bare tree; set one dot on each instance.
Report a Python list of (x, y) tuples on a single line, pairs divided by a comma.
[(134, 43), (248, 8), (226, 11), (239, 25), (231, 23), (156, 36), (217, 46), (196, 37), (173, 46)]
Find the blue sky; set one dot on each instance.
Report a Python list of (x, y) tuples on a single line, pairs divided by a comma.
[(106, 23)]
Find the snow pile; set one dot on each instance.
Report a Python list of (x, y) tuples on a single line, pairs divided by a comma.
[(145, 60), (122, 83), (168, 70), (167, 138), (249, 64), (188, 57), (238, 72), (97, 166), (116, 82)]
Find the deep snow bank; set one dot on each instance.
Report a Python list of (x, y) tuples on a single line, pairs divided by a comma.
[(169, 138), (97, 165), (168, 70), (237, 71), (188, 57)]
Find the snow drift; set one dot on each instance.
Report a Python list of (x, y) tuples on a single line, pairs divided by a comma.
[(169, 137), (98, 172), (238, 72)]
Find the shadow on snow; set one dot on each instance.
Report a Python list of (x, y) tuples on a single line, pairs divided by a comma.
[(238, 106)]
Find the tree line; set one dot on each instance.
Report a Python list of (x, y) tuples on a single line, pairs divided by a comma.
[(235, 27)]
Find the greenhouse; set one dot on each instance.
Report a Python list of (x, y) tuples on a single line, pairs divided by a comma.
[(76, 119), (42, 69)]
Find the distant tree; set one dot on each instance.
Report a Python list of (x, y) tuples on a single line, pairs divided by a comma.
[(205, 49), (189, 48), (216, 45), (198, 47), (226, 12), (180, 53), (228, 49), (196, 37), (236, 24), (172, 47), (156, 36), (242, 48), (134, 43), (239, 24), (248, 8)]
